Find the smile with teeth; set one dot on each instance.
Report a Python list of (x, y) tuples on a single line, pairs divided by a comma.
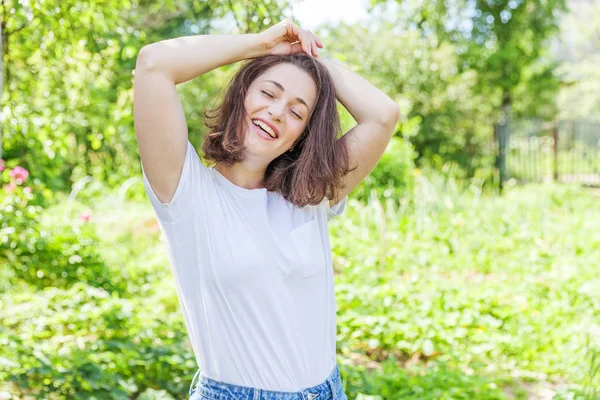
[(264, 127)]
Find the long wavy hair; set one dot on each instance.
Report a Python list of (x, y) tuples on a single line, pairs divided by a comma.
[(315, 167)]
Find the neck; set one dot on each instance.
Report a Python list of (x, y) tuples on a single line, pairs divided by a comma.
[(242, 176)]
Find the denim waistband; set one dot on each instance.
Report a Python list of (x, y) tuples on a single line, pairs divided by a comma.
[(330, 389)]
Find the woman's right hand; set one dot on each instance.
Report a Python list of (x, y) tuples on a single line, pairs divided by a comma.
[(288, 38)]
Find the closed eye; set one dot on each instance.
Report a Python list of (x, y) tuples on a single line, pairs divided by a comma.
[(271, 96)]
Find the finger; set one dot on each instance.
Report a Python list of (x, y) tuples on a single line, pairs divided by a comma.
[(292, 28), (317, 40), (305, 38), (296, 47), (304, 45), (313, 46)]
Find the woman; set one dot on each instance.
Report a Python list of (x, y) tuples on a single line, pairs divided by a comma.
[(247, 239)]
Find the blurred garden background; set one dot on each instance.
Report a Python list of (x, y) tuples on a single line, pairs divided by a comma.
[(467, 263)]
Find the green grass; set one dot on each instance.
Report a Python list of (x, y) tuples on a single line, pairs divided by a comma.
[(448, 294)]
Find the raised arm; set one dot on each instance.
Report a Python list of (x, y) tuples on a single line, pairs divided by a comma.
[(376, 115), (160, 124)]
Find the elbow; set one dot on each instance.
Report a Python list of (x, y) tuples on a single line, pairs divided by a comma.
[(391, 115), (394, 112), (145, 58)]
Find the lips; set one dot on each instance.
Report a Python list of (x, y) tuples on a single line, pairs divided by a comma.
[(262, 133), (270, 125)]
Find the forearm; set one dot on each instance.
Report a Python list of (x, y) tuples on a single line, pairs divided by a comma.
[(187, 57), (363, 101)]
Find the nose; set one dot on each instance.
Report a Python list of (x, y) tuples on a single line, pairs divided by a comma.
[(276, 110)]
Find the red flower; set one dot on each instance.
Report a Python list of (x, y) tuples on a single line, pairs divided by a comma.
[(20, 174)]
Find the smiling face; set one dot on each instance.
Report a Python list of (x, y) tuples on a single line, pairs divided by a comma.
[(283, 98)]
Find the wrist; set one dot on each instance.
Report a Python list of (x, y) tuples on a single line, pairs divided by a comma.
[(256, 46)]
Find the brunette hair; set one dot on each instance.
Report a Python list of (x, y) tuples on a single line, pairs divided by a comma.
[(314, 168)]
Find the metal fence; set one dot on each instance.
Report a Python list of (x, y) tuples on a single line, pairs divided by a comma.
[(534, 150)]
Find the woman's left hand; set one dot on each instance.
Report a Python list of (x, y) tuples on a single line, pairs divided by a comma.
[(288, 38)]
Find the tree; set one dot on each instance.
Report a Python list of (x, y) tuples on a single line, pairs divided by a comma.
[(68, 78), (1, 82), (441, 113), (503, 41)]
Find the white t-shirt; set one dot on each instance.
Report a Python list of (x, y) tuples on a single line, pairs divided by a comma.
[(254, 277)]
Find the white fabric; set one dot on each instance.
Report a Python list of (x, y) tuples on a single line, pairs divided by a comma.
[(254, 277)]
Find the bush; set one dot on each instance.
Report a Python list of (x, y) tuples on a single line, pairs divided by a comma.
[(41, 258), (394, 175), (84, 343), (60, 258), (19, 214)]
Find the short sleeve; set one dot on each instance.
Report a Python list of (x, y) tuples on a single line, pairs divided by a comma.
[(193, 177), (337, 209)]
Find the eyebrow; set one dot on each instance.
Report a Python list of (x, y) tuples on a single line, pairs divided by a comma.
[(283, 90)]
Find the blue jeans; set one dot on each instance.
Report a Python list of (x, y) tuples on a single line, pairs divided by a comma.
[(210, 389)]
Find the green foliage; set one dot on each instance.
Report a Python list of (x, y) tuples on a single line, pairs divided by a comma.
[(456, 69), (68, 89), (441, 113), (393, 177), (67, 103), (60, 258), (499, 41), (82, 342), (446, 292), (437, 382), (470, 282), (19, 214), (59, 93)]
